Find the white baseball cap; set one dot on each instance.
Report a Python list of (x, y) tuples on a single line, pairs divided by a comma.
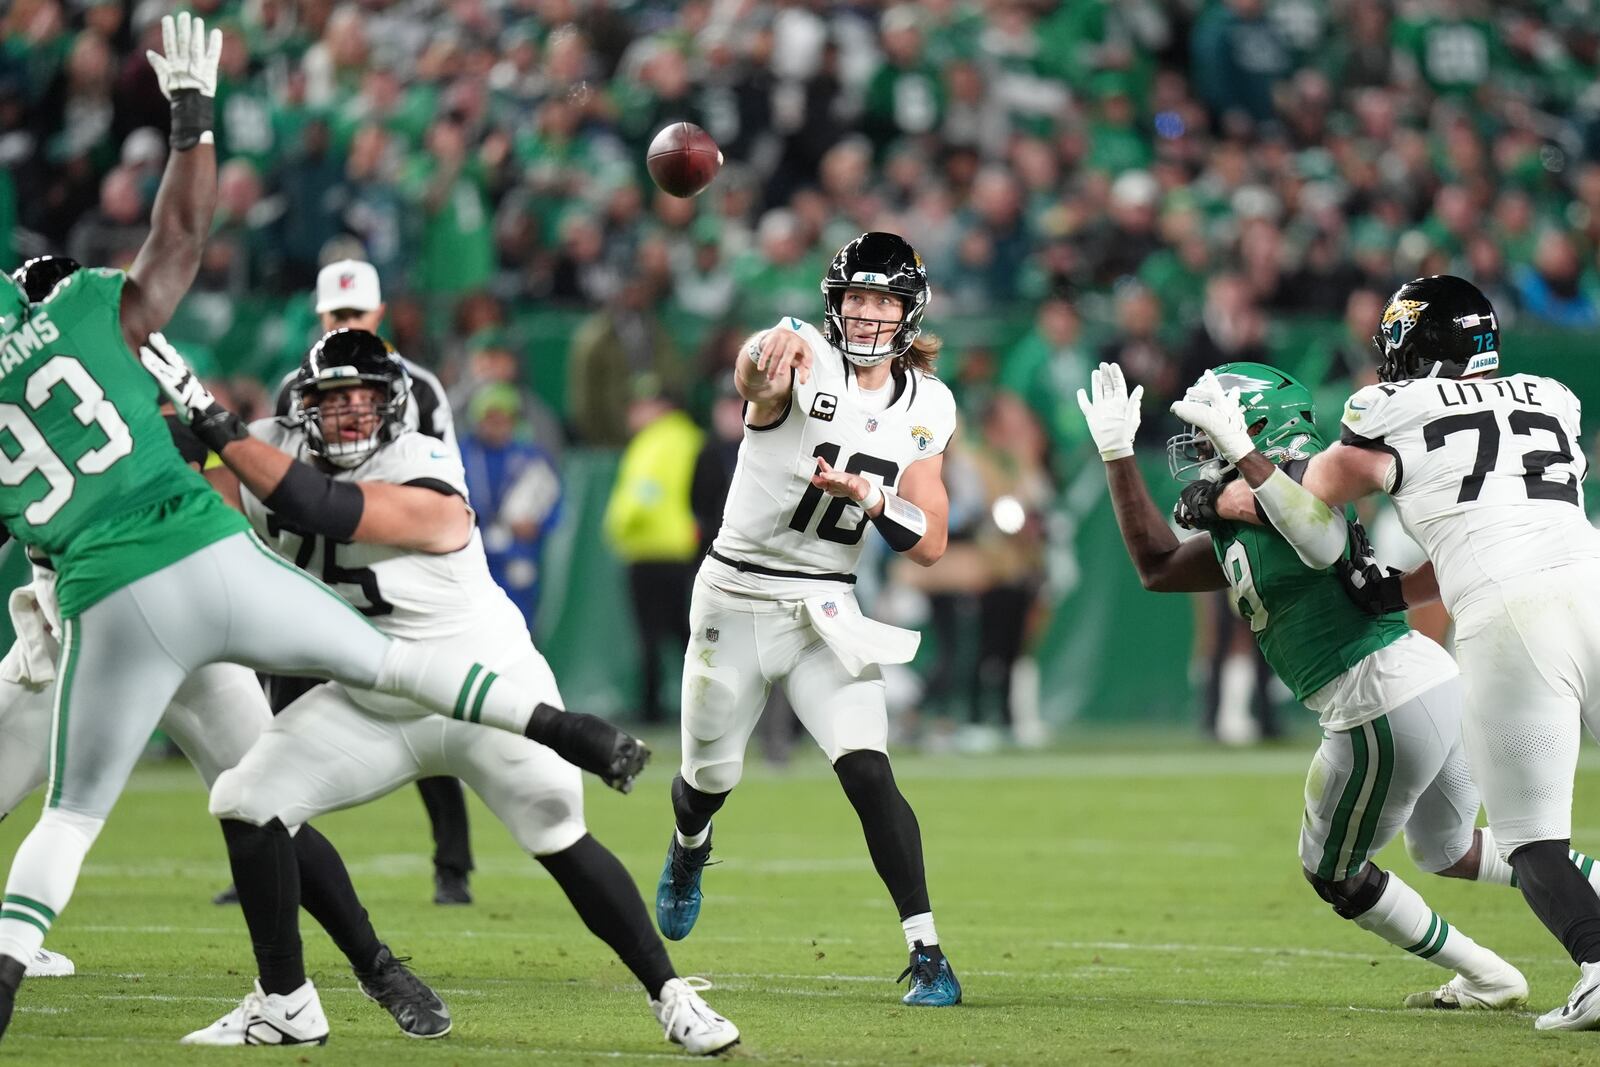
[(348, 283)]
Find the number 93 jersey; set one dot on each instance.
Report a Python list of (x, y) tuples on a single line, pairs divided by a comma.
[(774, 518), (1487, 477), (404, 592)]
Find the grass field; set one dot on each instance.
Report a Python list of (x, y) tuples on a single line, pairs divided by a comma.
[(1116, 903)]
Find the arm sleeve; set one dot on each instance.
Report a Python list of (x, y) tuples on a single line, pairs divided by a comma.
[(1317, 533)]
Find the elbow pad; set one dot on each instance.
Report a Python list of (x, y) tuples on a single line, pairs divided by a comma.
[(901, 522), (314, 503)]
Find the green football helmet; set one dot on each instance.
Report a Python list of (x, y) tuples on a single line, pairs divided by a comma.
[(1278, 411), (13, 303)]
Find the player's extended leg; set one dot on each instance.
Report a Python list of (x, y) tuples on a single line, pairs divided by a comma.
[(116, 676), (848, 719), (285, 621), (321, 754), (724, 690), (1364, 785), (539, 798)]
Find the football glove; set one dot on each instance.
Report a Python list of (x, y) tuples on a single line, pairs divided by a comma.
[(1113, 414), (214, 424), (1216, 413), (191, 57), (1197, 506), (1371, 587)]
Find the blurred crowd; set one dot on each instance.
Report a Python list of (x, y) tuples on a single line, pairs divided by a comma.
[(1165, 183)]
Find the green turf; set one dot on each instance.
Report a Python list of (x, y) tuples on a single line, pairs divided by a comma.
[(1114, 905)]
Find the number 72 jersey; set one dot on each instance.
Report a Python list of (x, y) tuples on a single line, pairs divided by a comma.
[(1488, 474), (774, 517)]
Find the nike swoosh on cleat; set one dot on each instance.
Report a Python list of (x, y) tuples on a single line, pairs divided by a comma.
[(1574, 1005), (291, 1015)]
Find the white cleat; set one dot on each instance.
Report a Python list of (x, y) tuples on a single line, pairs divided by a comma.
[(269, 1019), (47, 964), (1582, 1009), (689, 1021), (1507, 992)]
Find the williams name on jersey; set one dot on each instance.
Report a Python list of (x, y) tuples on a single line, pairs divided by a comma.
[(775, 519)]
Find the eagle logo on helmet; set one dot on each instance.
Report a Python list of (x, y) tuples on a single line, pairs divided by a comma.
[(1398, 319)]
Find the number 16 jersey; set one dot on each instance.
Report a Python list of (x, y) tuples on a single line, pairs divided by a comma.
[(780, 525), (405, 592), (1488, 475)]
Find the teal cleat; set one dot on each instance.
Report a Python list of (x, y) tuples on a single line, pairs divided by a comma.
[(933, 983), (678, 894)]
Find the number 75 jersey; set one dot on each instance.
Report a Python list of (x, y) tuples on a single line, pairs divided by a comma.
[(1488, 474), (403, 592), (774, 517)]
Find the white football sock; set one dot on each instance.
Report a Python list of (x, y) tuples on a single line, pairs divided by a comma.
[(43, 875), (1235, 690), (1403, 919), (1492, 867), (453, 685), (919, 928), (693, 840)]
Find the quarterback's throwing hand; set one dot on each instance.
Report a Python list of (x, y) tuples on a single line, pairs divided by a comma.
[(1216, 412), (782, 350), (1113, 413)]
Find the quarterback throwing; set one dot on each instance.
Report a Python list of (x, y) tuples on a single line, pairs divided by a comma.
[(844, 428)]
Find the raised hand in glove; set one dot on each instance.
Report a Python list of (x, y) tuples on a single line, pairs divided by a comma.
[(1216, 412), (191, 58), (1197, 506), (214, 424), (1371, 587), (1113, 413)]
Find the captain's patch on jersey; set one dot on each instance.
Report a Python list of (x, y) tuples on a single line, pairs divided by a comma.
[(823, 407), (923, 436), (1398, 318)]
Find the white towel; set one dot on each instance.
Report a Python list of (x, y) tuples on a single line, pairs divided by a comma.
[(857, 640), (34, 664)]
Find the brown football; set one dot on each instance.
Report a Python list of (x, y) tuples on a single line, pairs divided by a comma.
[(683, 159)]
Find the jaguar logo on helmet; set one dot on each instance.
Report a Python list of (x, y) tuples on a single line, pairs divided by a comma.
[(1398, 319)]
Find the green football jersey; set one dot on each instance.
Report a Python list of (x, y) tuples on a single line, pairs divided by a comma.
[(1309, 631), (88, 471)]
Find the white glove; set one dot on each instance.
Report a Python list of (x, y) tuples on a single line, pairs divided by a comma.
[(1216, 413), (191, 398), (191, 58), (1113, 415)]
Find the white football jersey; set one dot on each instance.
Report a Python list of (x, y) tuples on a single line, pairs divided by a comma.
[(405, 593), (1488, 474), (774, 519)]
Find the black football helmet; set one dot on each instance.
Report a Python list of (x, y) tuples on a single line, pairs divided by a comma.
[(343, 358), (1437, 327), (39, 276), (883, 262)]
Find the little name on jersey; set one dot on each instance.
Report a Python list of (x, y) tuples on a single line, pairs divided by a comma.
[(1455, 394), (30, 337)]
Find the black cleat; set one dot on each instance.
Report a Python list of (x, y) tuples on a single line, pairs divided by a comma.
[(11, 972), (450, 886), (228, 896), (416, 1008), (592, 744)]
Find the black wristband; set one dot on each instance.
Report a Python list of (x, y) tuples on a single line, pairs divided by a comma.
[(190, 447), (314, 503), (218, 427), (192, 115)]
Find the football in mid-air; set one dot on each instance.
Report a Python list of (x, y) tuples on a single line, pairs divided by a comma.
[(683, 159)]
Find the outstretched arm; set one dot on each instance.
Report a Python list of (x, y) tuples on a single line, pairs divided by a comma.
[(1164, 563), (769, 363), (405, 516), (181, 218), (1342, 474)]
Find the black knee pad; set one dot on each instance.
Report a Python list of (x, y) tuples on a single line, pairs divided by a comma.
[(864, 773), (1351, 897), (687, 798)]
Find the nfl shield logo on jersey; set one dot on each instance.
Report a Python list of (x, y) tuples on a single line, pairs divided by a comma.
[(872, 425), (829, 608), (712, 634)]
